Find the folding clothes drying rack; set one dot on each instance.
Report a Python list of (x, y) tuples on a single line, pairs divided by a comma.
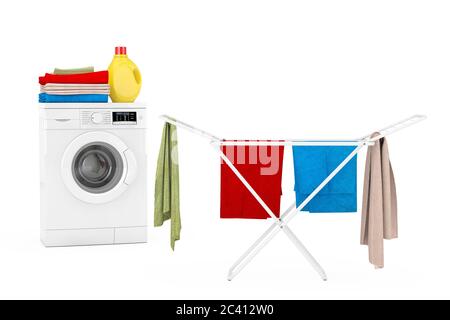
[(281, 223)]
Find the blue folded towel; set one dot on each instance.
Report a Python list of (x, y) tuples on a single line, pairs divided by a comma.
[(312, 164), (96, 98)]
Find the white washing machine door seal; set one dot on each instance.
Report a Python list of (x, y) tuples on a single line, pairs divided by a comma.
[(97, 167)]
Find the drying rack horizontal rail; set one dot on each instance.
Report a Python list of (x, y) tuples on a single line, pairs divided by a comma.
[(292, 143), (366, 140), (395, 127)]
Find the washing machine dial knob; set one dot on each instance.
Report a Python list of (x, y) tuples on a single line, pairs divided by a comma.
[(97, 118)]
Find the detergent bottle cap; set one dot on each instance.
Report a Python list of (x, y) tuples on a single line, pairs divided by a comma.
[(121, 50)]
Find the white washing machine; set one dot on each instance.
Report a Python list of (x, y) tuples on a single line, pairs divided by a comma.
[(93, 174)]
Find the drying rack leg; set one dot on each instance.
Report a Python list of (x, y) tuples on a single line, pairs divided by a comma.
[(265, 238), (308, 256), (253, 251)]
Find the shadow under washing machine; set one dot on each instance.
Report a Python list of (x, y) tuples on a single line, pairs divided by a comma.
[(93, 168)]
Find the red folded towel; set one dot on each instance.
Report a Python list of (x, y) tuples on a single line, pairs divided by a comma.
[(91, 77), (262, 167)]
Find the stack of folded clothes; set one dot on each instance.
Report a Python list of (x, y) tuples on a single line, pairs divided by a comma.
[(74, 85)]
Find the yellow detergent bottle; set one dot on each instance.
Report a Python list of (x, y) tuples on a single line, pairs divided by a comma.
[(124, 77)]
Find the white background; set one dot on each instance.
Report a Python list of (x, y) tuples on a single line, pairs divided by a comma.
[(240, 69)]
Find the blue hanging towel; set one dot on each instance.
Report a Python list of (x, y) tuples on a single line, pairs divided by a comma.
[(312, 164)]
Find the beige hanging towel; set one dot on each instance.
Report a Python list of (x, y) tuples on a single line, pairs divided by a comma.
[(379, 207)]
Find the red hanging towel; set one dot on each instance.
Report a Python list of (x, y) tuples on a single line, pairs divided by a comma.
[(91, 77), (262, 167)]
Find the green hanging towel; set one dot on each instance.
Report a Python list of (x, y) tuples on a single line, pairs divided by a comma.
[(167, 193)]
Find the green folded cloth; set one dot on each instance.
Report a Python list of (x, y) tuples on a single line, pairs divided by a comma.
[(73, 71), (167, 193)]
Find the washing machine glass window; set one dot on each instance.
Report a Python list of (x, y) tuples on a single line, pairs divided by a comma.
[(97, 167)]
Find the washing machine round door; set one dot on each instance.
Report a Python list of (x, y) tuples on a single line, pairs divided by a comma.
[(97, 167)]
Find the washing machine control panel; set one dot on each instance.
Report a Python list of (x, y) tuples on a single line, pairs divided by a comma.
[(111, 118), (124, 117), (97, 117)]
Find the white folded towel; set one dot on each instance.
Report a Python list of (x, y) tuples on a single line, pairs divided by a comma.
[(74, 88)]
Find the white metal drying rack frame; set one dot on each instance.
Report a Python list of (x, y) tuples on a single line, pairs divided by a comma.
[(281, 223)]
